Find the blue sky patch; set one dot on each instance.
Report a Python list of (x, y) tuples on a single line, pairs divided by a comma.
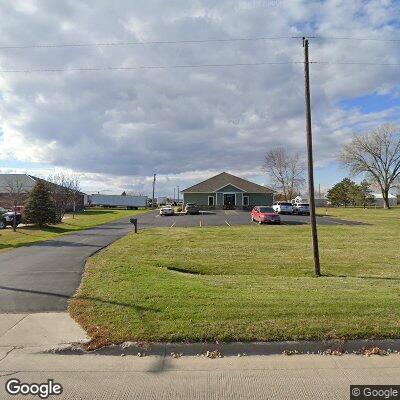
[(370, 103)]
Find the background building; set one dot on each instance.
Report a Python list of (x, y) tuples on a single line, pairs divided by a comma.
[(378, 199), (16, 188), (228, 191)]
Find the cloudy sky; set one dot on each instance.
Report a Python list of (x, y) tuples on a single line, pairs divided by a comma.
[(116, 127)]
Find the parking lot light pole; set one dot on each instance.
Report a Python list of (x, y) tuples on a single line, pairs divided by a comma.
[(311, 194), (154, 184)]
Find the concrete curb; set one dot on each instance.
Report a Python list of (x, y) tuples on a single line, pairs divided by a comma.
[(235, 348)]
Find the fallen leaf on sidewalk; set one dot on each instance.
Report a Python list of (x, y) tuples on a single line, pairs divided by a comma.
[(374, 351), (289, 352), (330, 352), (213, 354)]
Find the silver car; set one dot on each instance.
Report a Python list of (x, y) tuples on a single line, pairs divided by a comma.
[(301, 208), (166, 210)]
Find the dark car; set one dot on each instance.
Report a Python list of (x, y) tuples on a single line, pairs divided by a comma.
[(7, 218), (265, 215), (192, 208)]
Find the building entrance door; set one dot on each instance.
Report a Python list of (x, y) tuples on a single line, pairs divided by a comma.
[(229, 201)]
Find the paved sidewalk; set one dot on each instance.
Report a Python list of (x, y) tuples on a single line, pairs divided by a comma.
[(25, 340), (254, 377), (39, 329)]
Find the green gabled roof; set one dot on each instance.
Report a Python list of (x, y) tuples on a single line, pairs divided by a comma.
[(223, 179)]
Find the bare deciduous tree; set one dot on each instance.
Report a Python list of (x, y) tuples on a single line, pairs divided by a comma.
[(285, 170), (76, 188), (376, 154), (64, 190), (16, 190), (396, 185)]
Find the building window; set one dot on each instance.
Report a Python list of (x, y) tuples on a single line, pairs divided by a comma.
[(245, 200), (211, 201)]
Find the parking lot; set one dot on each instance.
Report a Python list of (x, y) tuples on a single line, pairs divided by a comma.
[(225, 218)]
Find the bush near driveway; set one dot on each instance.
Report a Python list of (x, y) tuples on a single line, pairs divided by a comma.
[(40, 209), (245, 283)]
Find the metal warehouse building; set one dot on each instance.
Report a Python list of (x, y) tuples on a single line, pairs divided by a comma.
[(228, 191), (378, 199)]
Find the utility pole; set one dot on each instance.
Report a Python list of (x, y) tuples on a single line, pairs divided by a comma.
[(178, 194), (154, 185), (311, 194), (174, 196)]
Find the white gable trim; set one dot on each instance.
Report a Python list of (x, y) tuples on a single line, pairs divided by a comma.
[(229, 184), (34, 180)]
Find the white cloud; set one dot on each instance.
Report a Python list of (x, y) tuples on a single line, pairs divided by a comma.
[(118, 127)]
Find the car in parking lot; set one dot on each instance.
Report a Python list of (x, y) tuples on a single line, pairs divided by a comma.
[(283, 207), (7, 218), (167, 210), (301, 208), (192, 208), (265, 215)]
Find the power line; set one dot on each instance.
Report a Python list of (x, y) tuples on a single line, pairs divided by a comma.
[(144, 67), (355, 63), (367, 39), (84, 69), (55, 45), (166, 42)]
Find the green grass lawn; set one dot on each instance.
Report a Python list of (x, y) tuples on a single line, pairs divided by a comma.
[(247, 283), (82, 220)]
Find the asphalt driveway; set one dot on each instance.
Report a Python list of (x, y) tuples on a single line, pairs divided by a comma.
[(43, 276)]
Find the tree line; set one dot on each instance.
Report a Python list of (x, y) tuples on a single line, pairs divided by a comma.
[(348, 193), (375, 156)]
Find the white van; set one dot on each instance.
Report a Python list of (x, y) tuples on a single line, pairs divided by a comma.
[(283, 207)]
